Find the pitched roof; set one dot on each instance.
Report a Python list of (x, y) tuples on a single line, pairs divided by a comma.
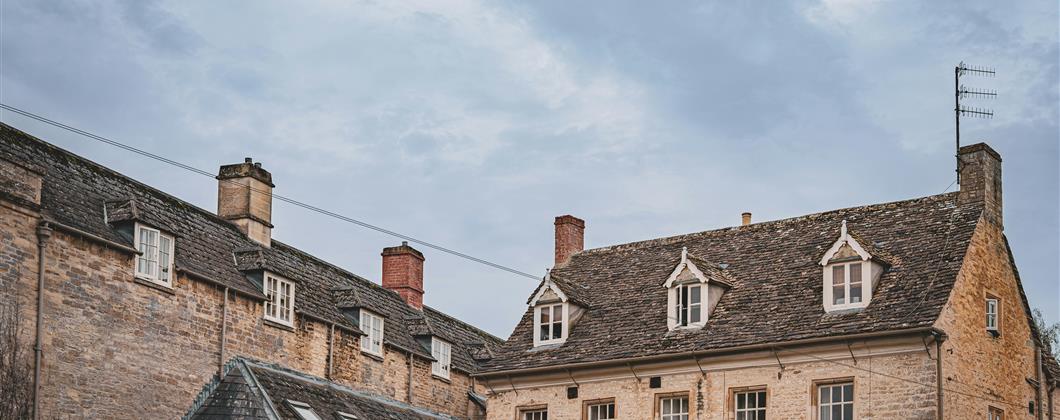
[(91, 198), (256, 390), (776, 295)]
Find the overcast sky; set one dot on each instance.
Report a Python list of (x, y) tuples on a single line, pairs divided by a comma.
[(472, 124)]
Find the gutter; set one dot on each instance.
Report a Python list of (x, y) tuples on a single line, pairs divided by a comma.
[(44, 232), (711, 352)]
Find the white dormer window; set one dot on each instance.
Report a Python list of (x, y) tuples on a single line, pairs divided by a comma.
[(372, 325), (688, 290), (552, 314), (279, 300), (689, 308), (849, 274), (442, 352), (155, 262)]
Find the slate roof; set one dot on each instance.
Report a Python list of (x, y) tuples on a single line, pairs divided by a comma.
[(776, 294), (91, 198), (255, 390)]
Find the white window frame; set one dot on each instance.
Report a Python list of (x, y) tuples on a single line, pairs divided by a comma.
[(533, 414), (564, 324), (683, 313), (155, 261), (442, 352), (993, 313), (279, 299), (372, 340), (758, 412), (303, 410), (667, 410), (866, 285), (831, 389), (601, 410)]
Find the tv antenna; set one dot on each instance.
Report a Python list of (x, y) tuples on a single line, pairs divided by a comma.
[(960, 91)]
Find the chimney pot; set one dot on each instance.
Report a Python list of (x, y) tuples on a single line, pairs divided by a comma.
[(746, 218), (248, 160), (244, 197), (570, 238), (403, 273), (980, 169)]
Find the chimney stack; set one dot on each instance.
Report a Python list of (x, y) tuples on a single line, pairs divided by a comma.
[(570, 238), (746, 218), (403, 273), (980, 169), (244, 197)]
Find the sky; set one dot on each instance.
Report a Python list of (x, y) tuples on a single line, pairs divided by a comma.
[(473, 124)]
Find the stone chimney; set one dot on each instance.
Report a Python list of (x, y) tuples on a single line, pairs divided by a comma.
[(244, 196), (980, 168), (403, 273), (746, 218), (570, 238)]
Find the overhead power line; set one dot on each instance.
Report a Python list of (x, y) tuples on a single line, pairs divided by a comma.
[(288, 200)]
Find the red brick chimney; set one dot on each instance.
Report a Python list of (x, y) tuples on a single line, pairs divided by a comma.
[(570, 238), (980, 167), (403, 273)]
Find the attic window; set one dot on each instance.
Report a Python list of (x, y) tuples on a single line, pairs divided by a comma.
[(442, 352), (303, 410), (372, 325), (553, 313), (692, 293), (849, 273), (548, 322), (689, 304), (279, 299), (847, 281), (155, 262)]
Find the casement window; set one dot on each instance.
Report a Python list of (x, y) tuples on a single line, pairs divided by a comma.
[(303, 410), (549, 323), (994, 413), (993, 309), (673, 407), (442, 353), (689, 304), (372, 325), (750, 405), (847, 283), (533, 414), (835, 401), (600, 410), (279, 299), (155, 262)]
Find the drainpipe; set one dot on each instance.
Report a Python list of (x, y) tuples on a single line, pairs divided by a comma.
[(412, 365), (44, 232), (940, 396), (1039, 376), (331, 345), (224, 335), (1052, 389)]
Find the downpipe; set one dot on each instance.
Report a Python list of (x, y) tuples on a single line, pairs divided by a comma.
[(44, 233)]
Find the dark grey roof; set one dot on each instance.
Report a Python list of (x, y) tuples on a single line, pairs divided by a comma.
[(256, 390), (92, 198), (776, 292)]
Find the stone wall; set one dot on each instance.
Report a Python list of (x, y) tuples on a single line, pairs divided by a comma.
[(878, 395), (116, 348), (981, 369)]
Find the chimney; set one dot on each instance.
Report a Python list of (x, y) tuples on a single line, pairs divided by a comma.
[(980, 169), (570, 238), (403, 273), (746, 218), (244, 197)]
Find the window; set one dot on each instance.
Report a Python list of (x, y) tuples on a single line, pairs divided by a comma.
[(279, 300), (600, 410), (673, 408), (846, 284), (994, 413), (689, 304), (549, 322), (750, 405), (442, 353), (372, 325), (534, 414), (992, 310), (835, 401), (303, 410), (155, 262)]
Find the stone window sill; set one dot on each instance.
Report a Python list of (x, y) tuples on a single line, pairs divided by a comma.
[(442, 378), (377, 357), (160, 287), (275, 324)]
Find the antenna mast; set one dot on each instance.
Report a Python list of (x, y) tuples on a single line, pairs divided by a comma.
[(959, 91)]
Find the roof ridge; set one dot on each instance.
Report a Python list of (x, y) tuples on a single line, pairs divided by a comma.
[(461, 322), (759, 225)]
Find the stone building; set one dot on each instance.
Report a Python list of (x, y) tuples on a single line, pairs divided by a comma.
[(146, 306), (904, 310)]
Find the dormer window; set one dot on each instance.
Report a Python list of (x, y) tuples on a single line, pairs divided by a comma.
[(279, 300), (689, 304), (553, 312), (693, 290), (372, 325), (849, 274), (442, 352), (549, 323), (155, 262)]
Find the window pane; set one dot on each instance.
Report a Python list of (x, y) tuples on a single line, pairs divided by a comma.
[(848, 393), (557, 313), (545, 312), (826, 395), (544, 332), (825, 414), (163, 258), (837, 412), (741, 401), (762, 399), (838, 291), (694, 314), (694, 297), (848, 411), (855, 283), (557, 330)]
